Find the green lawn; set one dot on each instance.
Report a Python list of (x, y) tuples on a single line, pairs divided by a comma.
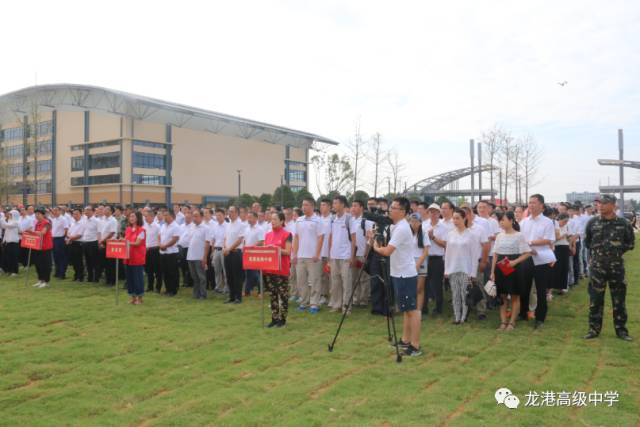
[(70, 356)]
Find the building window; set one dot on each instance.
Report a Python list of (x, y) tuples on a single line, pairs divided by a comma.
[(77, 163), (15, 170), (104, 161), (44, 166), (44, 128), (297, 176), (149, 144), (43, 187), (13, 152), (43, 147), (11, 134), (94, 180), (80, 147), (149, 179), (149, 160)]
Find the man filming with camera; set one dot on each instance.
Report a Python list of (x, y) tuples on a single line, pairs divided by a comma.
[(404, 275)]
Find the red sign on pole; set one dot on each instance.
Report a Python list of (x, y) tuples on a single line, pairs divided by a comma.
[(261, 258), (118, 249), (31, 240)]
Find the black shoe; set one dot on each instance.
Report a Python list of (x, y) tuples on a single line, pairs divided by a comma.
[(590, 335), (411, 351), (538, 325), (401, 345), (524, 318), (482, 317), (624, 336), (281, 324), (237, 301), (273, 323)]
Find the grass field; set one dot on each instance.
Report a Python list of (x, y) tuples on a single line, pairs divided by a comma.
[(70, 356)]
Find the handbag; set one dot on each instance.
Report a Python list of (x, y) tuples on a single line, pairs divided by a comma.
[(490, 288), (474, 295)]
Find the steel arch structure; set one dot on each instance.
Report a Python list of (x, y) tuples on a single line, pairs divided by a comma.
[(435, 185)]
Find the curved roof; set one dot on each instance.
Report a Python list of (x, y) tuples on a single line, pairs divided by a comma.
[(83, 97)]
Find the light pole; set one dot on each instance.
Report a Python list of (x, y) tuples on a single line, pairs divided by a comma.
[(282, 191), (239, 182)]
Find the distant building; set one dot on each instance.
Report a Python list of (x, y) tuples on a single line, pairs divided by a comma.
[(585, 197)]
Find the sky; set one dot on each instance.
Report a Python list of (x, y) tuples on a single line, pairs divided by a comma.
[(428, 76)]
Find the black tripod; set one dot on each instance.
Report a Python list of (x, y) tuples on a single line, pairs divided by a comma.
[(391, 325)]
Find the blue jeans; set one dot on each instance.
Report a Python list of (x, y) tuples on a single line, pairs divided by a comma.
[(252, 280), (135, 280)]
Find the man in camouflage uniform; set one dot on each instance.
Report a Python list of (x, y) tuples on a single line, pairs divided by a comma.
[(607, 238)]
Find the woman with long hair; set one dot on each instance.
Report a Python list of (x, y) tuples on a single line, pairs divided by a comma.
[(421, 245), (136, 239), (277, 281), (460, 263), (563, 254), (512, 247), (42, 257)]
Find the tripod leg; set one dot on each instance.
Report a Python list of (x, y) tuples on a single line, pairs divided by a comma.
[(389, 313), (344, 314)]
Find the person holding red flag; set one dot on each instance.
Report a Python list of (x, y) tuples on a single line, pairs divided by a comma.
[(136, 237), (277, 282), (42, 257)]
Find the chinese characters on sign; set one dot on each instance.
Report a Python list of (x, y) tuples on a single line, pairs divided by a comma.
[(576, 398), (31, 240), (261, 258), (118, 249)]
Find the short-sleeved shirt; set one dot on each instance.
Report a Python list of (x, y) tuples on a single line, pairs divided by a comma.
[(540, 228), (511, 244), (197, 242), (168, 232), (152, 232), (361, 236), (235, 230), (307, 231), (340, 241), (254, 234), (402, 263), (440, 232)]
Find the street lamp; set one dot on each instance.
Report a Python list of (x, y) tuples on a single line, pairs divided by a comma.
[(239, 182)]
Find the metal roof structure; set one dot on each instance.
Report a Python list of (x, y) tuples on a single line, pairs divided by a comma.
[(623, 163), (434, 185), (92, 98)]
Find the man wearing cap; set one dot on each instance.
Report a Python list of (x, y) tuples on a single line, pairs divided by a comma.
[(437, 232), (608, 237)]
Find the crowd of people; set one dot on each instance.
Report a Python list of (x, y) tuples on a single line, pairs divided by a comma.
[(331, 253)]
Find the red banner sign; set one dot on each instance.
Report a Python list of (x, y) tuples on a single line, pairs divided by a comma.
[(118, 249), (261, 258), (31, 240)]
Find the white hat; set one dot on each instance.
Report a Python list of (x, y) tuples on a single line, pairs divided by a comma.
[(434, 206)]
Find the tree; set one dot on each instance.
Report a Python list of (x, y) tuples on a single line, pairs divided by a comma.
[(333, 173), (265, 200), (357, 154), (360, 195), (301, 195), (283, 196), (395, 168), (492, 141), (531, 158), (246, 200), (378, 156)]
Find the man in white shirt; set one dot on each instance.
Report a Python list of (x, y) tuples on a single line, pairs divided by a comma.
[(254, 237), (216, 240), (197, 256), (179, 214), (108, 230), (234, 236), (437, 233), (476, 226), (446, 209), (59, 228), (90, 243), (361, 228), (404, 275), (74, 242), (306, 256), (169, 235), (152, 263), (186, 229), (325, 217), (539, 231), (342, 256)]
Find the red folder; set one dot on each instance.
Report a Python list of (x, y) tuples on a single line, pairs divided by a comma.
[(504, 266)]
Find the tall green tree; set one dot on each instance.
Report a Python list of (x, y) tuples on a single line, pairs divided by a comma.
[(301, 195), (333, 173), (265, 200), (283, 196)]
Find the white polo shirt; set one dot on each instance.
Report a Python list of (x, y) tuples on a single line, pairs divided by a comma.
[(539, 228), (291, 227), (340, 241), (90, 232), (326, 227), (58, 226), (235, 230), (361, 237), (26, 223), (109, 225), (308, 230), (168, 232), (440, 232), (254, 234), (76, 229), (217, 233), (480, 231), (198, 239), (152, 232), (402, 262), (186, 231)]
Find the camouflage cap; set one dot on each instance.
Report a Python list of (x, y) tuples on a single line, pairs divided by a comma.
[(608, 198)]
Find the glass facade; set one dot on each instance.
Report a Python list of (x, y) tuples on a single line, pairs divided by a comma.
[(94, 180), (149, 144), (43, 186), (44, 147), (149, 160), (11, 134), (149, 179), (96, 161)]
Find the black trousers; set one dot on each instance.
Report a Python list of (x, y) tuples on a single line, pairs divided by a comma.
[(211, 275), (435, 282), (60, 256), (561, 269), (90, 251), (10, 256), (235, 274), (108, 266), (187, 281), (170, 276), (24, 256), (76, 256), (152, 269), (576, 263), (543, 275), (42, 260), (101, 263)]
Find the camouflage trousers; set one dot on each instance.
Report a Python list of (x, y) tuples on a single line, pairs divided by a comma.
[(278, 286), (609, 271)]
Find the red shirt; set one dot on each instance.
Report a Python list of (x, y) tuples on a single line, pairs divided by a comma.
[(47, 239), (137, 254), (279, 237)]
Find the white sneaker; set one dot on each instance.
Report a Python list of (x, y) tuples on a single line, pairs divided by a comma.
[(13, 275), (43, 285), (37, 285)]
